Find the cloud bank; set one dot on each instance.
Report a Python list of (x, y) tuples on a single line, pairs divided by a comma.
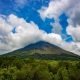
[(16, 33), (71, 9)]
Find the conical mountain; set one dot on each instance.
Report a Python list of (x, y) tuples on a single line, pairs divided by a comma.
[(43, 50)]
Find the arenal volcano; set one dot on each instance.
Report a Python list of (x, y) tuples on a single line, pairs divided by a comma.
[(42, 50)]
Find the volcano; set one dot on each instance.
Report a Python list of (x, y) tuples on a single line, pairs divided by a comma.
[(43, 50)]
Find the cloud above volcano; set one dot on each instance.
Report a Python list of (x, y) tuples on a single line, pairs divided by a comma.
[(16, 33)]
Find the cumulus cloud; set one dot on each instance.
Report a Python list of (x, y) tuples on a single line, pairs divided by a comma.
[(56, 27), (71, 46), (16, 33), (57, 7), (24, 33), (19, 4), (71, 9), (52, 38), (74, 32)]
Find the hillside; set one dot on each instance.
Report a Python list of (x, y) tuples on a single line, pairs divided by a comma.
[(42, 50)]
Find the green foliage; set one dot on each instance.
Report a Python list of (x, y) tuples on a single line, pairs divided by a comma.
[(12, 68)]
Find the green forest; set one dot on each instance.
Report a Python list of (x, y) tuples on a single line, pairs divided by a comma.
[(12, 68)]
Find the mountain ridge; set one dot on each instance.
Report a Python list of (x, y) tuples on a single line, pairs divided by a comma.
[(42, 50)]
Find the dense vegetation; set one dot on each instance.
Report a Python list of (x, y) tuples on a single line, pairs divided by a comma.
[(12, 68)]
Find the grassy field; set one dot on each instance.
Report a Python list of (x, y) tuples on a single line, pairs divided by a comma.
[(12, 68)]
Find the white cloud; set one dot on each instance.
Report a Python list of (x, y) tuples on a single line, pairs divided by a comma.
[(56, 27), (57, 7), (25, 34), (71, 46), (52, 38), (71, 9), (20, 3), (74, 32)]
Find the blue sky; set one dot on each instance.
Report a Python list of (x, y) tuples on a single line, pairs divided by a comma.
[(29, 12), (54, 21)]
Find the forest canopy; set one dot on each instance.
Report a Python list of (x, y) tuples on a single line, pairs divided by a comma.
[(12, 68)]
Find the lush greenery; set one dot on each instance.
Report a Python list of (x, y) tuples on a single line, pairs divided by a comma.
[(30, 69)]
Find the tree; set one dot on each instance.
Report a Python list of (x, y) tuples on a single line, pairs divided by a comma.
[(62, 74)]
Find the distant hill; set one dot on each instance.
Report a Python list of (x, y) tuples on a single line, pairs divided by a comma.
[(43, 50)]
